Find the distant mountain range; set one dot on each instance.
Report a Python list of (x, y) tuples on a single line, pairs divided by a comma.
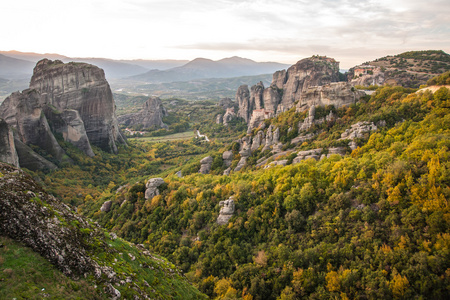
[(201, 68), (19, 65)]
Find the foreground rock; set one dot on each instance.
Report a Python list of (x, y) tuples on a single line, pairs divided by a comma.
[(78, 248)]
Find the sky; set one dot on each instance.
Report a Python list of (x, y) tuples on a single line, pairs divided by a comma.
[(286, 31)]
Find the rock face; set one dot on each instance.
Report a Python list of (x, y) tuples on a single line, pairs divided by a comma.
[(226, 211), (81, 87), (149, 117), (311, 81), (23, 111), (71, 126), (358, 130), (37, 227), (243, 100), (73, 100), (313, 71), (8, 153), (205, 165), (336, 93), (152, 187), (227, 157)]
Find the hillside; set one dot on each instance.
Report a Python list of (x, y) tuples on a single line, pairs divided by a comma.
[(409, 69), (365, 223), (110, 267)]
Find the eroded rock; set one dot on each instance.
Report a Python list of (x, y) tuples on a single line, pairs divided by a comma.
[(226, 211), (152, 187)]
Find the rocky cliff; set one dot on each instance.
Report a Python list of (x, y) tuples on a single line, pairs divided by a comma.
[(149, 117), (8, 151), (309, 81), (81, 87), (73, 100)]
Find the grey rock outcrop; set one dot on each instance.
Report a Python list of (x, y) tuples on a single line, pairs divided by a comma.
[(73, 100), (30, 159), (336, 93), (307, 154), (152, 187), (245, 153), (228, 116), (258, 140), (8, 153), (358, 130), (219, 119), (205, 165), (106, 206), (81, 87), (227, 157), (71, 126), (226, 211), (226, 103), (149, 117), (337, 150), (243, 100), (24, 112)]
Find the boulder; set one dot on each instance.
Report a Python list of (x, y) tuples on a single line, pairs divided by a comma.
[(106, 207), (227, 157), (205, 165), (152, 187), (226, 211)]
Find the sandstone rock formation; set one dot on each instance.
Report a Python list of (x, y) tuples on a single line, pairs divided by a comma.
[(243, 100), (73, 100), (81, 87), (205, 165), (71, 126), (245, 153), (313, 71), (227, 157), (8, 153), (336, 93), (149, 117), (152, 187), (23, 111), (311, 81), (226, 211)]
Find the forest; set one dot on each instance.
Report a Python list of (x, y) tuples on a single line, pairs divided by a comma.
[(372, 224)]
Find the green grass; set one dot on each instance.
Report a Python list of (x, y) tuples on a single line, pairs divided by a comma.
[(24, 274), (172, 137)]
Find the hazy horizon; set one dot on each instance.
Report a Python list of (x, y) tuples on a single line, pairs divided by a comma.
[(282, 31)]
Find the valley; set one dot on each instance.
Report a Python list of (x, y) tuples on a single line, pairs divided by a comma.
[(304, 186)]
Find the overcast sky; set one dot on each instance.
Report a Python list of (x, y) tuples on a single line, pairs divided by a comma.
[(285, 31)]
